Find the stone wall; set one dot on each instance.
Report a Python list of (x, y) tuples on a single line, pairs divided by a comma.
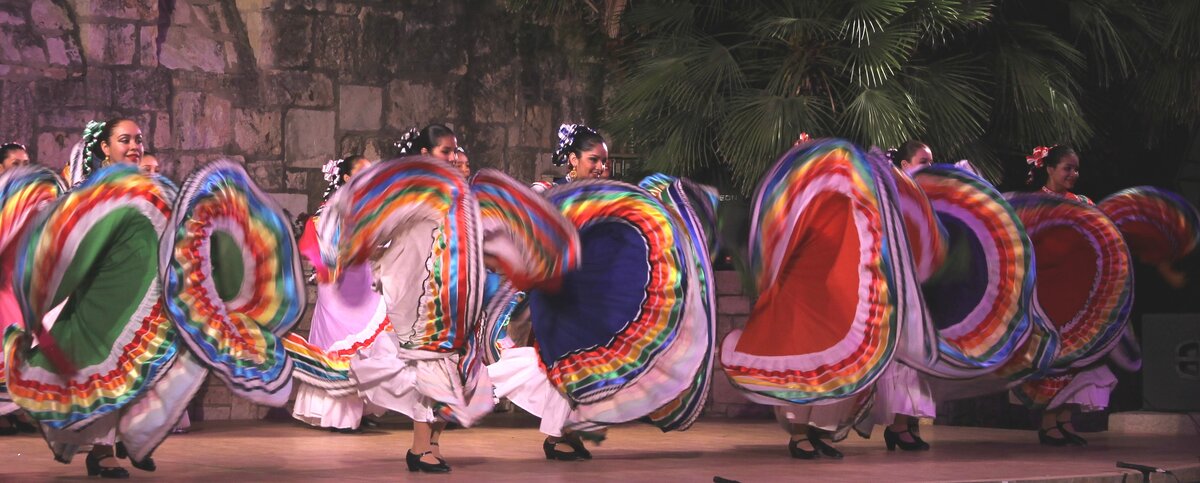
[(733, 308), (284, 85)]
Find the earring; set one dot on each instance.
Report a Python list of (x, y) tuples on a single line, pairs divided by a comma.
[(571, 175)]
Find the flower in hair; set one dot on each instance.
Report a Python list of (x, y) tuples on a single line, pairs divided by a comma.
[(566, 137), (330, 170), (1039, 153), (407, 140)]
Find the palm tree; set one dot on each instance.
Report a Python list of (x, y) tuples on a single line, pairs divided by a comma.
[(716, 89)]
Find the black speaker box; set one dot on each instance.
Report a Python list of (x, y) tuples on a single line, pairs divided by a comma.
[(1171, 362)]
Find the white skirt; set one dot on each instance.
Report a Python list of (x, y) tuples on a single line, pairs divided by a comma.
[(314, 406), (900, 390), (518, 377), (837, 417), (418, 383), (1089, 389)]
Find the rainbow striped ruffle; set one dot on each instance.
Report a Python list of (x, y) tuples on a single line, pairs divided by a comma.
[(493, 333), (696, 207), (66, 245), (1084, 277), (980, 295), (1159, 226), (24, 192), (626, 335), (525, 238), (236, 333), (376, 207), (825, 324), (926, 235)]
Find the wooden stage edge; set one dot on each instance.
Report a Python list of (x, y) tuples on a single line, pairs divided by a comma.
[(745, 451)]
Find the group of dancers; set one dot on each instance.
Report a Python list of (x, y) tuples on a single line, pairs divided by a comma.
[(884, 283)]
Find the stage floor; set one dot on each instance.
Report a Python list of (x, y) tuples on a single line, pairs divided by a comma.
[(743, 451)]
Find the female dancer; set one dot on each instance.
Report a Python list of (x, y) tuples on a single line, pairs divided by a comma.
[(1079, 386), (912, 156), (348, 316), (13, 155), (584, 150), (645, 257), (825, 324), (436, 141)]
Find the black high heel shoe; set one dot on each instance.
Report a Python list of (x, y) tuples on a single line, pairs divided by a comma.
[(822, 447), (94, 468), (801, 453), (892, 439), (415, 464), (553, 453), (1075, 439), (1045, 438), (577, 444), (144, 465)]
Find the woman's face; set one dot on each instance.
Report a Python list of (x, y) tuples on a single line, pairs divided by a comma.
[(1063, 175), (445, 150), (463, 164), (149, 164), (16, 157), (923, 158), (592, 163), (124, 145), (359, 165)]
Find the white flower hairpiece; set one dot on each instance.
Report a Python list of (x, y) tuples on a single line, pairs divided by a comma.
[(330, 170)]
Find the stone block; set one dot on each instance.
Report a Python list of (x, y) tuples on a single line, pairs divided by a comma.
[(10, 15), (47, 15), (414, 104), (310, 5), (54, 148), (201, 121), (33, 55), (293, 203), (538, 129), (67, 119), (345, 8), (214, 413), (187, 49), (242, 409), (161, 137), (301, 89), (56, 51), (18, 104), (336, 42), (142, 89), (108, 43), (9, 51), (373, 147), (360, 108), (267, 174), (733, 305), (118, 9), (217, 395), (297, 181), (122, 44), (309, 138), (729, 282), (148, 46), (291, 39), (258, 131)]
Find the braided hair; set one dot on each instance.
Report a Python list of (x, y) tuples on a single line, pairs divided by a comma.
[(905, 152), (575, 138), (413, 141), (336, 172)]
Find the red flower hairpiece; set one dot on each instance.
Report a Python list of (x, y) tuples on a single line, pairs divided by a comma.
[(1039, 153), (803, 138)]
